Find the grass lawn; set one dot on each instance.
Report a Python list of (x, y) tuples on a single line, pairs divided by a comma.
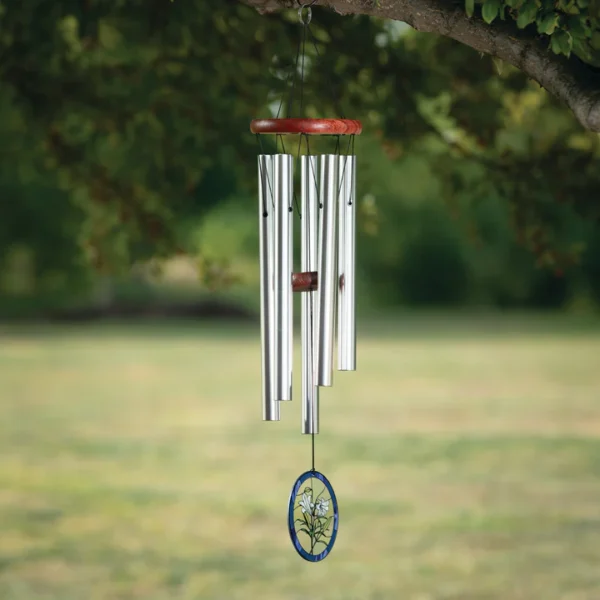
[(465, 454)]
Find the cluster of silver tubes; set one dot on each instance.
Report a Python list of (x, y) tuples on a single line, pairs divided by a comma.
[(328, 246)]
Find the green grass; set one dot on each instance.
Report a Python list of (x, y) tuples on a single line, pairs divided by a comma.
[(465, 454)]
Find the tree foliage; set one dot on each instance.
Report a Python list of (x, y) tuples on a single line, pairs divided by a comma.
[(570, 25)]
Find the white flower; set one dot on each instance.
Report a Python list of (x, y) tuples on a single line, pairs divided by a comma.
[(322, 507), (306, 503)]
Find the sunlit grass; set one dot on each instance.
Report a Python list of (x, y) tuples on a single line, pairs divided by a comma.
[(465, 454)]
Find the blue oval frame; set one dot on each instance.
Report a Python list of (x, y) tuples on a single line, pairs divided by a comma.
[(295, 489)]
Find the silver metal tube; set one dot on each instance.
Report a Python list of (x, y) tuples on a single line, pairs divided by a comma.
[(327, 269), (347, 264), (309, 209), (283, 305), (265, 224), (290, 287), (341, 256)]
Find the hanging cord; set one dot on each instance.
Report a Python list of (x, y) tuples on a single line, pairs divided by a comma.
[(264, 176), (305, 16), (334, 99), (312, 346), (277, 138), (305, 20), (350, 141), (311, 311), (287, 79), (314, 175), (304, 30), (293, 88), (353, 154)]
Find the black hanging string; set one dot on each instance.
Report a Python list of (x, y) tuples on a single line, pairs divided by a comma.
[(310, 165), (313, 435), (312, 168), (263, 177), (298, 158), (336, 103), (279, 138), (295, 200), (287, 81), (350, 140), (304, 29), (296, 63), (259, 140), (300, 144), (353, 154), (302, 53), (312, 347)]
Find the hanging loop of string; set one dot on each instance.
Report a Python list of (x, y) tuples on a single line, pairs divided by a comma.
[(305, 13)]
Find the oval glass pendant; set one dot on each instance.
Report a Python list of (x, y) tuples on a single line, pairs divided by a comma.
[(313, 516)]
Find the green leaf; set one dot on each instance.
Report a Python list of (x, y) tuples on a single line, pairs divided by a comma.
[(527, 14), (576, 27), (490, 10), (322, 525), (469, 7), (562, 43), (547, 23), (583, 50), (572, 8), (568, 6)]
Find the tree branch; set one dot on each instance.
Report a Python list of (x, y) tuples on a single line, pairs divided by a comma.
[(569, 80)]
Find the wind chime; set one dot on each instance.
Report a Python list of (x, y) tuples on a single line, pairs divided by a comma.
[(326, 278)]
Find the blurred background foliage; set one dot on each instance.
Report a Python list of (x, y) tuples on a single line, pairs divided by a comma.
[(128, 169)]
